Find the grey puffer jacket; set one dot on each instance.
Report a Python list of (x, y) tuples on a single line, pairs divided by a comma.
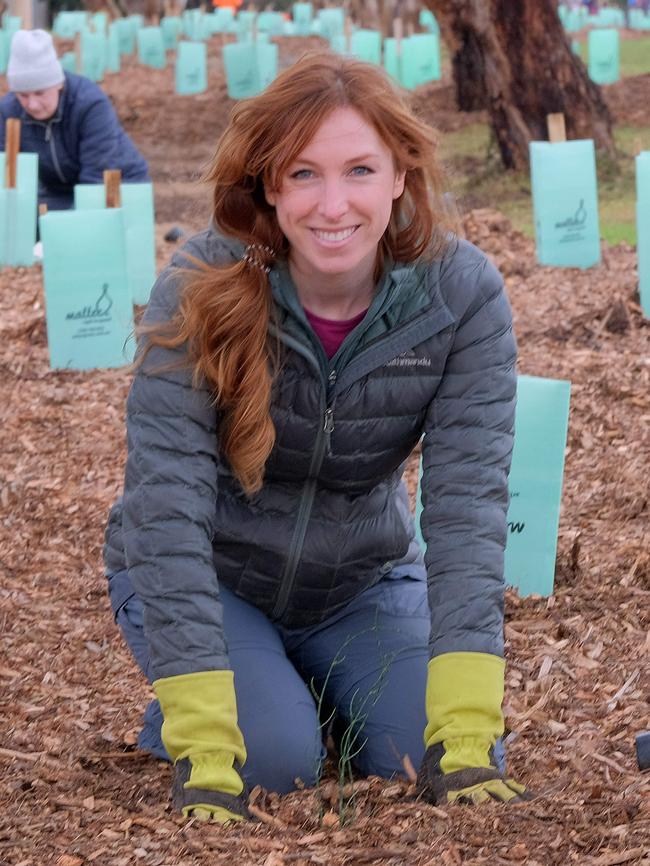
[(435, 355)]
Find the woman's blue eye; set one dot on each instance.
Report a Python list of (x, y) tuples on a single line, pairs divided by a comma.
[(360, 170), (301, 174)]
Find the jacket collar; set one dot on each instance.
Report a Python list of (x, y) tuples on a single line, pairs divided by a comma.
[(394, 275)]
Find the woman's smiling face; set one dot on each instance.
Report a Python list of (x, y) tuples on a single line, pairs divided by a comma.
[(335, 200)]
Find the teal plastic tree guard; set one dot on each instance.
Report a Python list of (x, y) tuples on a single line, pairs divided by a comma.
[(250, 67), (341, 43), (191, 68), (366, 45), (607, 17), (4, 52), (100, 22), (575, 20), (392, 61), (245, 22), (271, 23), (604, 56), (639, 20), (192, 24), (429, 22), (11, 24), (69, 61), (643, 228), (171, 27), (151, 48), (67, 24), (138, 225), (89, 311), (565, 203), (541, 424), (535, 484), (420, 60), (18, 209), (126, 31), (332, 22), (302, 15), (222, 20), (94, 51), (113, 54)]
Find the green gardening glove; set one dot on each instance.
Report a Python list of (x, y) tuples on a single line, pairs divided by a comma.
[(464, 719), (201, 734)]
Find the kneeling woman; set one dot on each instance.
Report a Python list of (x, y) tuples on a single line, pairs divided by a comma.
[(263, 552)]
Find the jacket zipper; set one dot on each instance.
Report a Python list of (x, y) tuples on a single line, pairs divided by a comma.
[(321, 446), (50, 138)]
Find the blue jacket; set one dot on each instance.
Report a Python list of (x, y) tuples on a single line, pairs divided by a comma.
[(75, 146)]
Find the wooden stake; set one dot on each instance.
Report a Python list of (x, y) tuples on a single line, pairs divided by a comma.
[(12, 149), (24, 9), (347, 29), (77, 53), (556, 127), (112, 180), (398, 33)]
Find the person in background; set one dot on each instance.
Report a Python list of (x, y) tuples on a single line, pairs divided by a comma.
[(262, 563), (66, 119)]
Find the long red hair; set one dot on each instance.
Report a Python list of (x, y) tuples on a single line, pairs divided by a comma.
[(225, 308)]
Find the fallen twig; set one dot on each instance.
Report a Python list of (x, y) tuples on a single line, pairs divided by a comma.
[(32, 757), (265, 818), (620, 857)]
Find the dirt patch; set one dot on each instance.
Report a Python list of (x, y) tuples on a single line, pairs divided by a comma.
[(628, 100)]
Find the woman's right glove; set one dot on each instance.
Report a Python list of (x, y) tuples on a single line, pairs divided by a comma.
[(464, 719), (201, 734)]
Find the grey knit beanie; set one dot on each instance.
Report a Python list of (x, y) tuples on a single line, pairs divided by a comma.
[(33, 64)]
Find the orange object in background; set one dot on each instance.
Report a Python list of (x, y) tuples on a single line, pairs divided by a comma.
[(222, 4)]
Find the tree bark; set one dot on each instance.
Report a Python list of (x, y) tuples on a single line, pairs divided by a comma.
[(521, 56), (468, 65)]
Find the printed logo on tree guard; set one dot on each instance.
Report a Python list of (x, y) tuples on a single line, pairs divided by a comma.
[(100, 311), (577, 221)]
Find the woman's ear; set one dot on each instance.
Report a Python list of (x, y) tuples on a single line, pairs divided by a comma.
[(398, 187), (270, 196)]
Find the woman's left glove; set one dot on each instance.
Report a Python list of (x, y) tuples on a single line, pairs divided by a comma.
[(464, 720), (201, 734)]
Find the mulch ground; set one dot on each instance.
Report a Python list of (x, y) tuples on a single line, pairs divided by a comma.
[(75, 791)]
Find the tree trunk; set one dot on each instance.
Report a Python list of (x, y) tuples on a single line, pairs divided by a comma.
[(468, 65), (520, 53)]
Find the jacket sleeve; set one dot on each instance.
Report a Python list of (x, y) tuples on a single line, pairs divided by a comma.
[(99, 134), (169, 506), (466, 460)]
